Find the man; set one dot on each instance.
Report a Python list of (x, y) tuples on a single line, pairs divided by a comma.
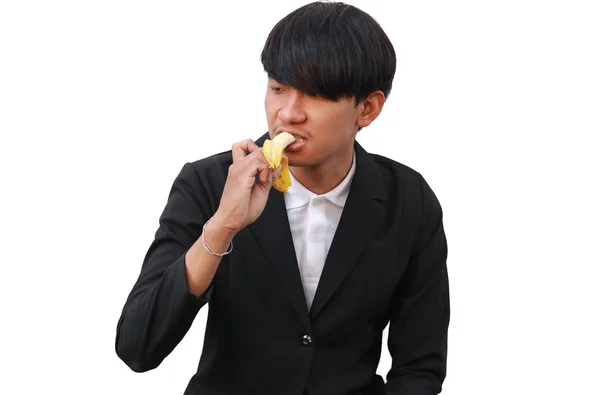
[(301, 284)]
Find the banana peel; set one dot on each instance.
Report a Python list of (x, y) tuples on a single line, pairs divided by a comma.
[(273, 152)]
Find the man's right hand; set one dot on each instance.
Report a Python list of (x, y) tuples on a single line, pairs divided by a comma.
[(244, 199)]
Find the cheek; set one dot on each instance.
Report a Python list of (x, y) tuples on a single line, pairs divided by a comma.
[(270, 110), (336, 123)]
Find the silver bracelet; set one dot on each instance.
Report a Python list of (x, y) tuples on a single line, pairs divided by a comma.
[(210, 250)]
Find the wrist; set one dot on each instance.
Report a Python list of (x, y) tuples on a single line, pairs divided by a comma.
[(217, 229)]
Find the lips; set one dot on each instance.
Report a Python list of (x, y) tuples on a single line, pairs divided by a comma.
[(296, 146), (298, 137)]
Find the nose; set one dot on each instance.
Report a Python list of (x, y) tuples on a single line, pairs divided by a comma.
[(292, 110)]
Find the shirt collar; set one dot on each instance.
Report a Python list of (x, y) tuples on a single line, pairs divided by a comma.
[(297, 195)]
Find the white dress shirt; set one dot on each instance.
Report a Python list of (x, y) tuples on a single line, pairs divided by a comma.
[(313, 221)]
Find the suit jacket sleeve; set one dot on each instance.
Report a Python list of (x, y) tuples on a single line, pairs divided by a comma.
[(420, 311), (160, 310)]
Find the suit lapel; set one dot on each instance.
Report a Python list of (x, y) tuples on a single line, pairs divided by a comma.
[(273, 234), (362, 215)]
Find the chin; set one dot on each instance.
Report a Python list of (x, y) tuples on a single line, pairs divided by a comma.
[(293, 162), (300, 162)]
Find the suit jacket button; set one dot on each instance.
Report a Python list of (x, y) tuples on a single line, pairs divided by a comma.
[(306, 340)]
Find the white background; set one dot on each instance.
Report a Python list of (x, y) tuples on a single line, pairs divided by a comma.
[(101, 103)]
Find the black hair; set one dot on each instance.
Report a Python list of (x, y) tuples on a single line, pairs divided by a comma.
[(332, 50)]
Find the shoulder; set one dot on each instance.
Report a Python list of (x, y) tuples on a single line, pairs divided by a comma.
[(408, 189), (210, 167), (397, 174), (395, 169), (201, 181), (406, 182)]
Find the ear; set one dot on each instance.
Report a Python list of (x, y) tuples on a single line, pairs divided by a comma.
[(370, 108)]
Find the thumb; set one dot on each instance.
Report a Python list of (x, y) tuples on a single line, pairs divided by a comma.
[(277, 171), (273, 174)]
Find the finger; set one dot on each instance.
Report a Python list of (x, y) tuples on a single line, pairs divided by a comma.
[(240, 149), (257, 154), (252, 166), (271, 175), (264, 172), (237, 153), (277, 171)]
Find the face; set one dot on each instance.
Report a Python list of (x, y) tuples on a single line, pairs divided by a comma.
[(326, 129)]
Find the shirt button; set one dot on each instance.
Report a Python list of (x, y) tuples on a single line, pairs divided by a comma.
[(306, 340), (314, 238)]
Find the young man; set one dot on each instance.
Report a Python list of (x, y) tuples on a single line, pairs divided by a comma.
[(301, 284)]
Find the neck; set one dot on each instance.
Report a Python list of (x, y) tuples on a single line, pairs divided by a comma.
[(323, 177)]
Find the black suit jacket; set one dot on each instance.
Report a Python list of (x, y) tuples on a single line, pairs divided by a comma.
[(387, 263)]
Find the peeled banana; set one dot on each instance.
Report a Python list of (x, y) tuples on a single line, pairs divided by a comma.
[(273, 152)]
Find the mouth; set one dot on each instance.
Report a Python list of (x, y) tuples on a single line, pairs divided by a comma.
[(297, 145), (299, 138)]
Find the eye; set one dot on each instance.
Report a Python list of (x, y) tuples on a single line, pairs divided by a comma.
[(276, 89)]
